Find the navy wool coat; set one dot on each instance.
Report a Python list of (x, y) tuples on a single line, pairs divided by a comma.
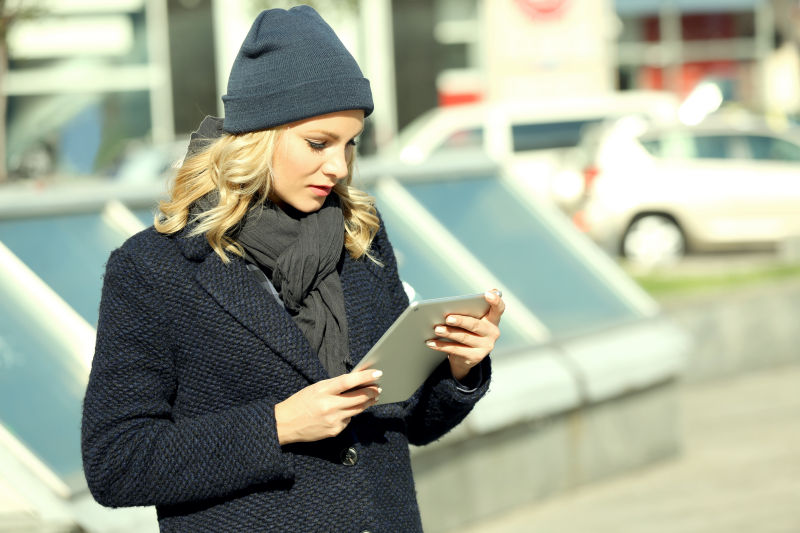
[(192, 354)]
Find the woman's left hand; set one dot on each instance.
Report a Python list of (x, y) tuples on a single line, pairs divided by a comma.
[(470, 339)]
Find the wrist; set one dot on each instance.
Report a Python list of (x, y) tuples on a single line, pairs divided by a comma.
[(282, 426), (458, 369)]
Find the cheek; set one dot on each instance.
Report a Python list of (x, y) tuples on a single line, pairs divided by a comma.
[(293, 162)]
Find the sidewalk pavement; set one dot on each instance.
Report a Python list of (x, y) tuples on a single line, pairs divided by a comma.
[(739, 471)]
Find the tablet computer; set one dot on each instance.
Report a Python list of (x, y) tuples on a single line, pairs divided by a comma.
[(401, 353)]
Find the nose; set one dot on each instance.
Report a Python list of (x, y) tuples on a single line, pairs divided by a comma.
[(336, 165)]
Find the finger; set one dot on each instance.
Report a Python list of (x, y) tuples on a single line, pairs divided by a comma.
[(357, 404), (458, 335), (479, 326), (353, 380), (362, 393), (496, 306), (456, 348), (354, 399)]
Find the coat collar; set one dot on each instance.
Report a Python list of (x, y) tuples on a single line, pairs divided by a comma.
[(236, 290), (193, 247)]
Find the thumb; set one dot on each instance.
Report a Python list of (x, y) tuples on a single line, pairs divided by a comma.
[(497, 306)]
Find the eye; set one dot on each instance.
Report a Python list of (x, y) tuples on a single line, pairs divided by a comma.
[(315, 145), (352, 142)]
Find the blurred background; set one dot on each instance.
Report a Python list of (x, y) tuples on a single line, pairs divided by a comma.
[(627, 171)]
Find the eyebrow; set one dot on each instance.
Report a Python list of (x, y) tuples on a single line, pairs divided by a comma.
[(335, 136)]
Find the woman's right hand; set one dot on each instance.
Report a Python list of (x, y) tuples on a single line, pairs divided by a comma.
[(324, 409)]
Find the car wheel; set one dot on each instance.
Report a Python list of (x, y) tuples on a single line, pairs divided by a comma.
[(653, 240)]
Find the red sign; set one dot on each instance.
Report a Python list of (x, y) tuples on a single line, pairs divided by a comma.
[(539, 9)]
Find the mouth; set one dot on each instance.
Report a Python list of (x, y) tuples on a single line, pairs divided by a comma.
[(321, 190)]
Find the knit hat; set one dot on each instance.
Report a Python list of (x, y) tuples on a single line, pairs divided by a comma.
[(291, 66)]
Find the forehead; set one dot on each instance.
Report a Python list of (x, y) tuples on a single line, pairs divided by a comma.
[(340, 123)]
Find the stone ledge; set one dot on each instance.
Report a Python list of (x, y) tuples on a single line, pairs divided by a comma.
[(745, 329), (556, 417)]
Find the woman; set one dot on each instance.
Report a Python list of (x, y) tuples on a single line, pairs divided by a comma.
[(221, 389)]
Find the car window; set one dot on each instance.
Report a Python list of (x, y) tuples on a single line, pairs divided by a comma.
[(763, 147), (715, 147), (517, 244), (68, 252), (466, 138), (684, 144), (550, 134), (653, 146)]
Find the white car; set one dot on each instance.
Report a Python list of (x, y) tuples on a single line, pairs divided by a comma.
[(654, 193), (533, 138)]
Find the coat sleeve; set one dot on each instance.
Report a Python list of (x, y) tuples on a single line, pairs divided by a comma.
[(134, 452), (441, 403)]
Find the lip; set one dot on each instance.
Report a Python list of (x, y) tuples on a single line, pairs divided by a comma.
[(321, 190)]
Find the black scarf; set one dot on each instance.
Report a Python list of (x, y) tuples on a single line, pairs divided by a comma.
[(300, 252)]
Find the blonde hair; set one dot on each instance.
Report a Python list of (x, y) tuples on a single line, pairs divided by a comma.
[(239, 168)]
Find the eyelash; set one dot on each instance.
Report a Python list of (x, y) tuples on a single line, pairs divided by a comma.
[(321, 146)]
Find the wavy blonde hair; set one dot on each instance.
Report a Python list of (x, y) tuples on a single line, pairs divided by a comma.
[(239, 168)]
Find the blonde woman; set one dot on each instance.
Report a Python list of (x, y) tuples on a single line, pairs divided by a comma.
[(221, 389)]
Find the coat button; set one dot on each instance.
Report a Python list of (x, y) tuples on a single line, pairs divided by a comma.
[(349, 456)]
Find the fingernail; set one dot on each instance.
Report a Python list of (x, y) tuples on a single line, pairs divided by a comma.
[(491, 295), (450, 319), (439, 330), (431, 343), (377, 374)]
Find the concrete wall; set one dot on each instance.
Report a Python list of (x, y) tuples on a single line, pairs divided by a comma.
[(739, 330), (484, 475)]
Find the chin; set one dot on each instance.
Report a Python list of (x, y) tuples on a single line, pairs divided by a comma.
[(308, 206)]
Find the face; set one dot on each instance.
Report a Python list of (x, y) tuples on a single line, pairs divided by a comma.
[(311, 156)]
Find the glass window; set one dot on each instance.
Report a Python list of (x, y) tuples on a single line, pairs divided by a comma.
[(429, 278), (727, 25), (763, 147), (41, 386), (549, 135), (145, 215), (635, 29), (74, 134), (519, 247), (68, 252), (421, 267)]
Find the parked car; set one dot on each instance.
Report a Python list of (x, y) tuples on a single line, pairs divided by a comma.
[(533, 138), (652, 194)]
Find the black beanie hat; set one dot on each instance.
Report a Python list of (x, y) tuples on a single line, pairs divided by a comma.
[(291, 66)]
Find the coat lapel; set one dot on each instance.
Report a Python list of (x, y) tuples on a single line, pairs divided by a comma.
[(237, 291), (359, 305)]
